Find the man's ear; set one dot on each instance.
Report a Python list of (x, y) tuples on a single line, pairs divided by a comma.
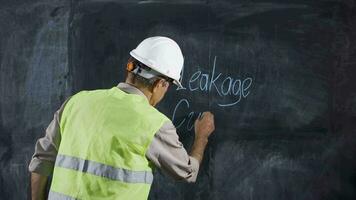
[(157, 84)]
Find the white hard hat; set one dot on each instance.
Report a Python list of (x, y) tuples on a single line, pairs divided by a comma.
[(161, 54)]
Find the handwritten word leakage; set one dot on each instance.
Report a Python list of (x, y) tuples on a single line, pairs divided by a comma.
[(214, 83)]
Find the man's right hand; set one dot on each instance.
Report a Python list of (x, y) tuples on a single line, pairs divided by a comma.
[(204, 126)]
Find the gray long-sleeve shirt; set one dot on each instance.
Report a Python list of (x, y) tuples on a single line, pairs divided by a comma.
[(165, 151)]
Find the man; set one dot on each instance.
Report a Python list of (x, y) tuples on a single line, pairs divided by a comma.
[(104, 144)]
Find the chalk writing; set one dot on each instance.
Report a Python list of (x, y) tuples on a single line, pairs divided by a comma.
[(183, 105), (214, 82), (229, 86)]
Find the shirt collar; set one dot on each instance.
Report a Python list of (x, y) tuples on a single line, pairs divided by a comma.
[(130, 89)]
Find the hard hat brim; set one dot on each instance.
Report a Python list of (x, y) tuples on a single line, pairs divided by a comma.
[(178, 84)]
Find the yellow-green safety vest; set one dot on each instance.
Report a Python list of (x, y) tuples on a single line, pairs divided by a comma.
[(104, 138)]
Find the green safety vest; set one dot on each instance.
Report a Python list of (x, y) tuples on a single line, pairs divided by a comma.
[(104, 138)]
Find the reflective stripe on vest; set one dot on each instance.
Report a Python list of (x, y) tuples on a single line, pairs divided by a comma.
[(58, 196), (103, 170)]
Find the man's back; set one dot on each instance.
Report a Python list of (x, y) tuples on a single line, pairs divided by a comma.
[(105, 134)]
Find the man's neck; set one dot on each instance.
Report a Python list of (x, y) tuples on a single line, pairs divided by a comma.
[(146, 92)]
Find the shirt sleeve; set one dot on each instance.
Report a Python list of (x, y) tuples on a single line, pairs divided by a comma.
[(46, 148), (168, 153)]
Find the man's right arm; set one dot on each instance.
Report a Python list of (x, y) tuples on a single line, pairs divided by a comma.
[(204, 126), (168, 153)]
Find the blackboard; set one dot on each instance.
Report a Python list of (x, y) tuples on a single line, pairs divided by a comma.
[(278, 75)]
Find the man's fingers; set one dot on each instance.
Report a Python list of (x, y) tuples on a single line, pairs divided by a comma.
[(206, 117), (207, 114)]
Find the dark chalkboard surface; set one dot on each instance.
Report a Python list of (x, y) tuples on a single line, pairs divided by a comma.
[(278, 75)]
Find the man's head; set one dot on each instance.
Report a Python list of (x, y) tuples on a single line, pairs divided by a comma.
[(154, 87), (155, 63)]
